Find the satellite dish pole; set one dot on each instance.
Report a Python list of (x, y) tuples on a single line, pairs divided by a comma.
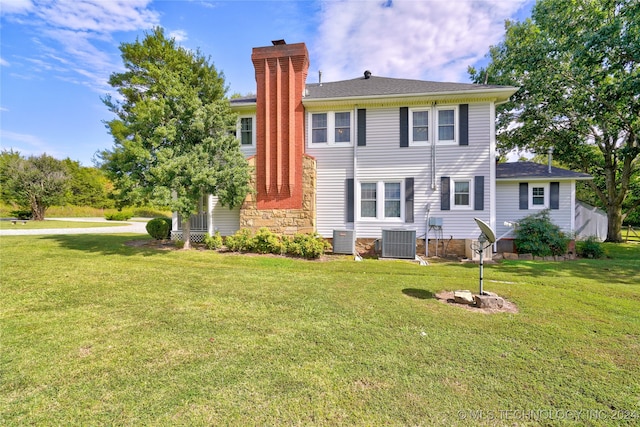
[(486, 239)]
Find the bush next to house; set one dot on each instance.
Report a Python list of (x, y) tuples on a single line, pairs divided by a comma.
[(213, 242), (591, 247), (241, 241), (159, 228), (266, 242), (309, 246), (537, 235)]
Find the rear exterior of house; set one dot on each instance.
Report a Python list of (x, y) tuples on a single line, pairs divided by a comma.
[(366, 156)]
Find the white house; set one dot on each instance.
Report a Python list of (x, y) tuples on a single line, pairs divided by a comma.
[(372, 155)]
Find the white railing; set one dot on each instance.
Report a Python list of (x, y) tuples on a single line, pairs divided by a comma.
[(199, 222)]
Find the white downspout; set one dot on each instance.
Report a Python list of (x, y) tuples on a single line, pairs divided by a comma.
[(356, 255)]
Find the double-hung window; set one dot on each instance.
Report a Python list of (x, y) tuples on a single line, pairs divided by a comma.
[(462, 194), (447, 126), (368, 200), (392, 199), (246, 132), (331, 128), (538, 196), (381, 200), (419, 126)]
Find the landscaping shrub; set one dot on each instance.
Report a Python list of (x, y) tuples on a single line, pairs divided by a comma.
[(213, 242), (21, 214), (119, 216), (310, 246), (591, 247), (265, 242), (241, 241), (537, 235), (159, 228)]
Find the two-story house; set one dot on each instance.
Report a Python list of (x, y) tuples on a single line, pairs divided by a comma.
[(374, 154)]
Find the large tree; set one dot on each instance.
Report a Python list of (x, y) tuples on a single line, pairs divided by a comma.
[(577, 63), (173, 130), (32, 183)]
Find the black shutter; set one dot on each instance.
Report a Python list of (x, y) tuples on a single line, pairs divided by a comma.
[(349, 199), (445, 194), (464, 124), (524, 195), (362, 127), (554, 199), (404, 126), (408, 199), (478, 189)]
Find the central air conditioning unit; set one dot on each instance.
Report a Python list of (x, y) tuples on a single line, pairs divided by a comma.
[(343, 242), (399, 244)]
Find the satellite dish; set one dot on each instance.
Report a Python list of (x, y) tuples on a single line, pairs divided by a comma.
[(486, 230)]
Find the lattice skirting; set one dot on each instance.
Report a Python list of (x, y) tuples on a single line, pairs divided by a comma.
[(196, 236)]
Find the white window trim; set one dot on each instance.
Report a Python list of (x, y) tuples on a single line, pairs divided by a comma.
[(452, 195), (331, 129), (380, 199), (546, 188), (253, 130), (429, 124), (456, 125)]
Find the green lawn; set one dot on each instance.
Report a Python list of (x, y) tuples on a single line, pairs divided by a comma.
[(94, 332), (39, 225)]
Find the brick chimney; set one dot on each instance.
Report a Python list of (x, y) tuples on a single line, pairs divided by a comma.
[(281, 72)]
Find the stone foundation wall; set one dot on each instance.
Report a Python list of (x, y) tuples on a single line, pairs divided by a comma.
[(446, 248), (284, 221)]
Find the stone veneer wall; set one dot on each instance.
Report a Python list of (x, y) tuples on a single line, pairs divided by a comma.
[(284, 221)]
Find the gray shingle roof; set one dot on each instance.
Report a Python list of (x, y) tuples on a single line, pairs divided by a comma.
[(387, 86), (521, 170)]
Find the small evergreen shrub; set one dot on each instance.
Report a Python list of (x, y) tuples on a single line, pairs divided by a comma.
[(213, 242), (309, 246), (118, 216), (21, 214), (265, 242), (591, 247), (537, 235), (159, 228), (241, 241)]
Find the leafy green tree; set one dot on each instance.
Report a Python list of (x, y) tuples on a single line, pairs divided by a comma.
[(33, 183), (577, 63), (173, 139), (88, 186)]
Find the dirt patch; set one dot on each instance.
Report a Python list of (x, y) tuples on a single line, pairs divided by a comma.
[(446, 297)]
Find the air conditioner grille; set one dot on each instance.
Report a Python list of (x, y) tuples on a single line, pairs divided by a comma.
[(399, 244), (343, 242)]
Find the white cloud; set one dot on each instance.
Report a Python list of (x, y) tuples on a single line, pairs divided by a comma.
[(16, 7), (431, 40), (4, 109), (4, 63), (178, 35)]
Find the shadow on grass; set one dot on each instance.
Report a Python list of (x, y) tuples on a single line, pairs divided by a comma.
[(106, 244), (418, 293)]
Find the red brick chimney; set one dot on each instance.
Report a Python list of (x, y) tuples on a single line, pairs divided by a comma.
[(281, 72)]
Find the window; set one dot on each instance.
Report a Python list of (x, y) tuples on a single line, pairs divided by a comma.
[(447, 124), (461, 193), (246, 131), (420, 126), (538, 196), (319, 128), (381, 200), (392, 200), (331, 128), (368, 197)]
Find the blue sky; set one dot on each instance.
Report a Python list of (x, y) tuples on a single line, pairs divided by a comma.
[(56, 56)]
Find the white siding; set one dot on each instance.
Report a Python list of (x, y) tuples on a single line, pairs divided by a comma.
[(224, 220), (383, 159), (508, 206)]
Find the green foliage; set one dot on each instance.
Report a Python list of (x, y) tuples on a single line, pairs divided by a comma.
[(265, 242), (173, 131), (591, 247), (241, 241), (21, 214), (34, 183), (159, 228), (119, 216), (213, 242), (310, 246), (88, 186), (537, 235), (577, 65)]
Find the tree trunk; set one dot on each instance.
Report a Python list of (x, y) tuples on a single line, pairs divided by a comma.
[(186, 231), (37, 211), (614, 224)]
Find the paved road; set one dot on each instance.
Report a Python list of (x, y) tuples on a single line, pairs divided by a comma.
[(126, 227)]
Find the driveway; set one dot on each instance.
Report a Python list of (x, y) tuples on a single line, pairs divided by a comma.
[(137, 227)]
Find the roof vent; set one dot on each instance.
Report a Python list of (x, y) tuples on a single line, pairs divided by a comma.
[(367, 74), (278, 42)]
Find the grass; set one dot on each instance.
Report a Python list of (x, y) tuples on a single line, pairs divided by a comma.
[(39, 225), (97, 332)]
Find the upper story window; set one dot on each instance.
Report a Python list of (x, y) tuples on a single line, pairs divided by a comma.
[(447, 124), (245, 131), (419, 125), (331, 128)]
